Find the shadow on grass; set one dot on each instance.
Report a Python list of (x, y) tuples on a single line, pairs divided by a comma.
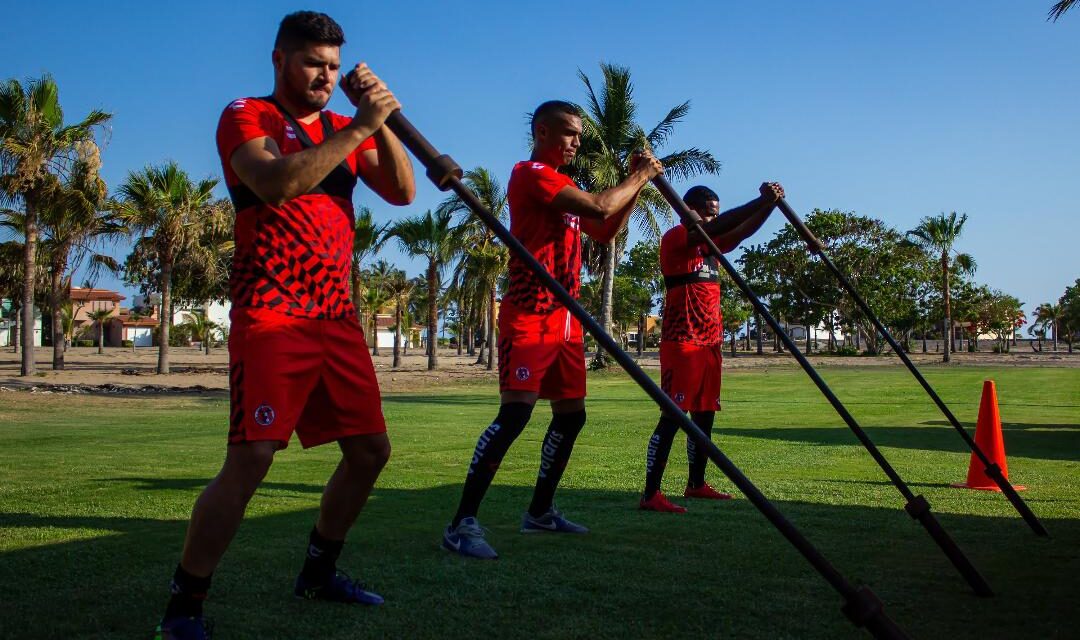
[(108, 574), (1045, 441)]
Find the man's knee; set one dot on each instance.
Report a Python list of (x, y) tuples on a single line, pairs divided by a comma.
[(366, 452), (247, 463)]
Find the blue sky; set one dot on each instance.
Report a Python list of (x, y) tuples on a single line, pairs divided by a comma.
[(893, 110)]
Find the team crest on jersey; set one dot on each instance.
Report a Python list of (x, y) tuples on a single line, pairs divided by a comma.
[(238, 104), (523, 373), (572, 221), (264, 415)]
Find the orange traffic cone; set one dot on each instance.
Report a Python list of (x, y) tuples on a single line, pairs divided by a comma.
[(988, 437)]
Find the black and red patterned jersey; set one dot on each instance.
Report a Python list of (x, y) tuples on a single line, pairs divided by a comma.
[(692, 278), (551, 235), (294, 258)]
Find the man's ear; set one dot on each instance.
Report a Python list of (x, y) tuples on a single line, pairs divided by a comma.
[(277, 57)]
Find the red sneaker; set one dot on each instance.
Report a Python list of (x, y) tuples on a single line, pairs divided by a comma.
[(706, 492), (659, 502)]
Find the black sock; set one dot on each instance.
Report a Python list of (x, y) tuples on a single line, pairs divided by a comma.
[(554, 454), (188, 594), (698, 460), (657, 454), (320, 563), (492, 446)]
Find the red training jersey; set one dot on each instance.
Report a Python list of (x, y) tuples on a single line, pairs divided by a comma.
[(294, 258), (551, 235), (692, 306)]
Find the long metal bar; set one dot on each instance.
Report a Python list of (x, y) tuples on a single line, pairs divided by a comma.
[(991, 469), (916, 506), (861, 606)]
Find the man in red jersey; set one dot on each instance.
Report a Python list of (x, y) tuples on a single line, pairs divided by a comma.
[(541, 346), (297, 356), (691, 338)]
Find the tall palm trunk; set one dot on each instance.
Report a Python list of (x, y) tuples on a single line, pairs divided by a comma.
[(491, 331), (374, 332), (397, 334), (757, 325), (948, 312), (485, 347), (55, 298), (166, 311), (640, 336), (29, 263), (608, 287), (433, 317), (462, 333), (100, 336)]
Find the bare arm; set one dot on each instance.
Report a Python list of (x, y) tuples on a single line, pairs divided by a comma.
[(735, 225), (605, 230), (616, 201), (276, 179), (387, 169)]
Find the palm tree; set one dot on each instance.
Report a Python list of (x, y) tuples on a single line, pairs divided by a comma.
[(936, 235), (372, 301), (35, 147), (399, 288), (100, 317), (73, 225), (478, 293), (434, 238), (1059, 9), (368, 239), (163, 205), (1047, 317), (611, 135), (202, 327)]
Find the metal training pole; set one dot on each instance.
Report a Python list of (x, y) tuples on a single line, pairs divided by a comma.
[(862, 607), (993, 470), (917, 506)]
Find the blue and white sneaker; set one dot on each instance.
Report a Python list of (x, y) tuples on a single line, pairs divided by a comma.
[(340, 588), (467, 539), (551, 522)]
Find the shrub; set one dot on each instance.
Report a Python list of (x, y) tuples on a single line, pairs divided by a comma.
[(125, 343), (85, 343)]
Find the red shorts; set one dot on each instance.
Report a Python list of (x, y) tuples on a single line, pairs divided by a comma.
[(690, 374), (289, 374), (541, 352)]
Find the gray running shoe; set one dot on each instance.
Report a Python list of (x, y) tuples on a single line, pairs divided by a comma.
[(551, 522), (467, 539)]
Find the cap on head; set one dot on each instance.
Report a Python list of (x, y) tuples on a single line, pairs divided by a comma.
[(308, 27), (697, 196)]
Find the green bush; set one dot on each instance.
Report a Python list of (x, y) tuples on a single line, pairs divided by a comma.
[(85, 343), (126, 343), (846, 350)]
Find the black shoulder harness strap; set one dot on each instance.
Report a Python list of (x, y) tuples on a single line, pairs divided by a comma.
[(709, 272), (340, 182)]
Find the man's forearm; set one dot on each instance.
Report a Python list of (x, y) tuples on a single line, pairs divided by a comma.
[(298, 173), (735, 225), (393, 177), (620, 198)]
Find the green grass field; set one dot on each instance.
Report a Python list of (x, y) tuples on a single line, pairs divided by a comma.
[(95, 492)]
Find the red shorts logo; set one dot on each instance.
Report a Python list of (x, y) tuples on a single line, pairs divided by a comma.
[(523, 373), (264, 415), (679, 397)]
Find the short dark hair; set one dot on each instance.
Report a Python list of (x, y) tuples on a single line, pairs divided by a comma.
[(308, 27), (699, 195), (548, 109)]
